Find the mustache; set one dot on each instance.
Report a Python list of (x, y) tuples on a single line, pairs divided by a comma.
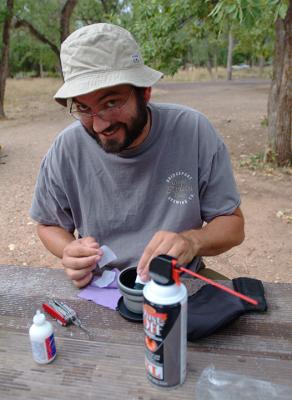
[(110, 128)]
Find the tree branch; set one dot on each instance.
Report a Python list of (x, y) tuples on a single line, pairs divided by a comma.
[(38, 35), (104, 5), (66, 13)]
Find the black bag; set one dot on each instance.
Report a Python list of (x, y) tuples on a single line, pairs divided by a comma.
[(212, 308)]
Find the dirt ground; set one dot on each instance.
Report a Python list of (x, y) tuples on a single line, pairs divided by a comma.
[(237, 109)]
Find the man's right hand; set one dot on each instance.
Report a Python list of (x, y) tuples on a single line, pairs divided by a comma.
[(79, 260)]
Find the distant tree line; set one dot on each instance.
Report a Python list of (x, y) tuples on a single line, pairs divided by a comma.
[(173, 34)]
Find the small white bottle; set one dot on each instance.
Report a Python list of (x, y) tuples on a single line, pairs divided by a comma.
[(42, 339)]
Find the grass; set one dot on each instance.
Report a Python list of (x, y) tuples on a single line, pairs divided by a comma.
[(202, 74), (26, 88), (29, 97), (256, 162), (253, 161)]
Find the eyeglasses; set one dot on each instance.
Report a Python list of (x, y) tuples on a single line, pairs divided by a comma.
[(110, 109)]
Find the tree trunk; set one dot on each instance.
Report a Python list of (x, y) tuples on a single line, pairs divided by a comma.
[(209, 66), (280, 96), (41, 69), (261, 65), (215, 62), (66, 13), (5, 54), (229, 55)]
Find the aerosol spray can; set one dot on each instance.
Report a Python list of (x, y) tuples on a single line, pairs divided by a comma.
[(165, 323), (42, 339)]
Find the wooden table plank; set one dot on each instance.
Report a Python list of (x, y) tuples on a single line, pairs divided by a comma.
[(85, 369)]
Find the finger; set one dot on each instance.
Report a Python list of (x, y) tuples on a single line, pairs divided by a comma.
[(145, 258), (161, 243), (93, 245), (89, 240), (81, 262), (176, 251), (149, 250), (80, 273), (165, 247), (80, 250), (96, 246), (83, 282), (183, 250)]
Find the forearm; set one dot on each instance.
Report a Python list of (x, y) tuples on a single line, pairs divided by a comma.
[(54, 238), (218, 236)]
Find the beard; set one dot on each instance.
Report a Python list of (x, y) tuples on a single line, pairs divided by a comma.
[(132, 130)]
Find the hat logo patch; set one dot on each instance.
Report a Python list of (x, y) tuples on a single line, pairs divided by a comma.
[(136, 58)]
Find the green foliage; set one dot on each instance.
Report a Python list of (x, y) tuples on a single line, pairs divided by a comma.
[(87, 12), (237, 11), (265, 164), (3, 12), (265, 122), (256, 42), (93, 11), (280, 6), (252, 24), (43, 15), (28, 54), (163, 30), (247, 11), (253, 161), (171, 33)]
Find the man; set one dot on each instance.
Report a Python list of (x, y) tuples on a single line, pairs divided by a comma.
[(142, 178)]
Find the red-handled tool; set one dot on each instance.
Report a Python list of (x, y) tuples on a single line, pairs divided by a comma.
[(64, 314), (55, 314)]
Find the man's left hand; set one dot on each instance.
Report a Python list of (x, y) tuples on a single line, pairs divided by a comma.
[(170, 243)]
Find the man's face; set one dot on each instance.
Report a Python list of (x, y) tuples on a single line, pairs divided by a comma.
[(120, 127)]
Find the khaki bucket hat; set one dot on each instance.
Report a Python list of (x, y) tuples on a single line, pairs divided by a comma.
[(98, 56)]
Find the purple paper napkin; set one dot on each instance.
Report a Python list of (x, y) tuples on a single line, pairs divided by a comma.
[(107, 297)]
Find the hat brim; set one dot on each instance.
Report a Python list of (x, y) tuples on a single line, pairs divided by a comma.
[(87, 83)]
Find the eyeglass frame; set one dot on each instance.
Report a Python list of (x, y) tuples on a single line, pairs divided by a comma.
[(90, 116)]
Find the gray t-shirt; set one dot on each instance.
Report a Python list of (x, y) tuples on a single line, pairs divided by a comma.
[(177, 179)]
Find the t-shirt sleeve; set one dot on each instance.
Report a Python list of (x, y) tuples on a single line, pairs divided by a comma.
[(217, 188), (50, 205)]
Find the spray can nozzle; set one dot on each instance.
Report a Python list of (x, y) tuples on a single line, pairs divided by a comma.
[(163, 270)]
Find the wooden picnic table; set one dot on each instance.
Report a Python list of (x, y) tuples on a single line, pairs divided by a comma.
[(110, 364)]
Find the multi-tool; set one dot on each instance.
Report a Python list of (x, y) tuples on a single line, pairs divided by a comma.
[(63, 314)]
